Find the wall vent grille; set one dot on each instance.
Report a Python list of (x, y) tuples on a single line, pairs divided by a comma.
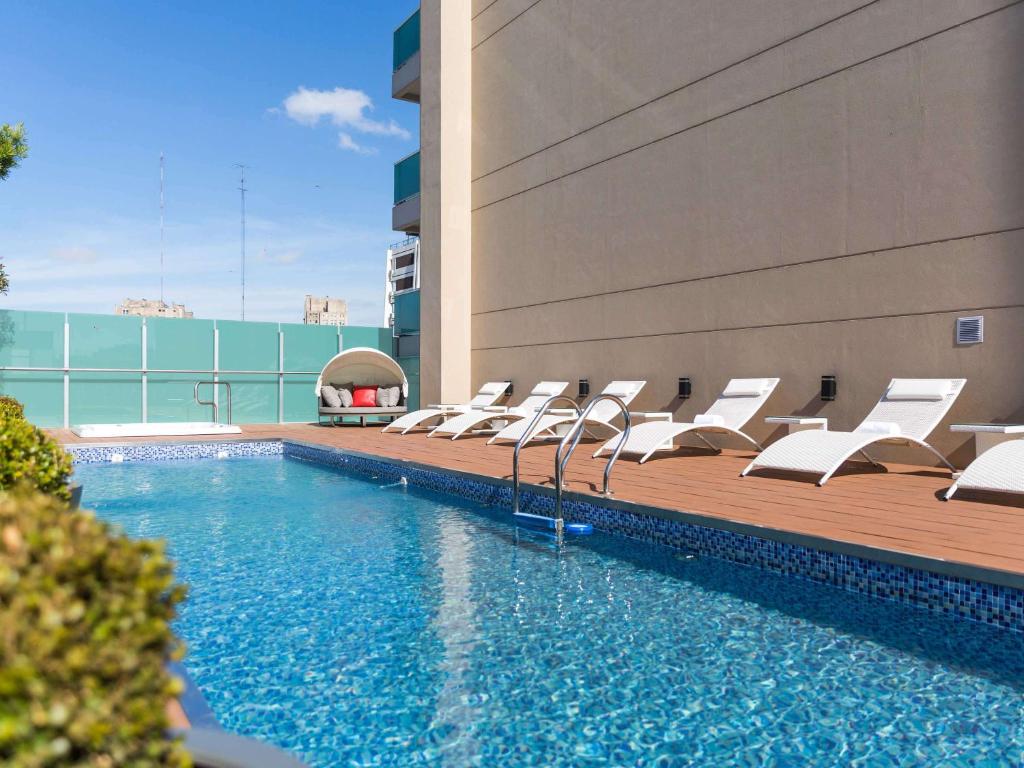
[(970, 330)]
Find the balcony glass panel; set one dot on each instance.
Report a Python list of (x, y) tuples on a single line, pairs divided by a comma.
[(407, 40), (407, 178)]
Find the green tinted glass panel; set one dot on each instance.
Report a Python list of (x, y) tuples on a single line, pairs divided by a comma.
[(36, 340), (406, 40), (33, 339), (411, 367), (253, 398), (367, 336), (407, 177), (105, 398), (299, 400), (248, 346), (178, 344), (42, 394), (407, 312), (105, 341), (308, 347)]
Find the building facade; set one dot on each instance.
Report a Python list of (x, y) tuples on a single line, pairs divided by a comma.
[(712, 190), (325, 311), (151, 308)]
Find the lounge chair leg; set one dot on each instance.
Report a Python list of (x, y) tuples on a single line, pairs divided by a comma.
[(868, 457), (707, 442)]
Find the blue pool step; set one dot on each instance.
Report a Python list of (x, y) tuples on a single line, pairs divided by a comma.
[(548, 523)]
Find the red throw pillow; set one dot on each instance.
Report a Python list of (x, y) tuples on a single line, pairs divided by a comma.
[(364, 397)]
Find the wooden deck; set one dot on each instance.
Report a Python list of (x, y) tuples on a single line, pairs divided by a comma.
[(899, 511)]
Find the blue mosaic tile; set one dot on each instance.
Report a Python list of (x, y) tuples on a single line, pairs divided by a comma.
[(91, 454), (965, 598)]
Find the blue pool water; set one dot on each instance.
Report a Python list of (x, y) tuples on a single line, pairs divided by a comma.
[(365, 625)]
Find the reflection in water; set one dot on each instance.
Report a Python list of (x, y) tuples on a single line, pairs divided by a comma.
[(455, 626)]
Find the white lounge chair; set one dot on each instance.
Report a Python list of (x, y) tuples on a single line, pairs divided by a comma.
[(602, 415), (539, 395), (908, 412), (737, 404), (1000, 468), (489, 394)]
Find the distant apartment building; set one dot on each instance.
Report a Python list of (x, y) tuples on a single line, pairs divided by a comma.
[(713, 190), (325, 311), (151, 308)]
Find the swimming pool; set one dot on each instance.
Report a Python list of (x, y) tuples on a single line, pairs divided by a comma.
[(364, 625)]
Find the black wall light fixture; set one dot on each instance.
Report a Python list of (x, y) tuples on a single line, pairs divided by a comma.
[(508, 390), (828, 388), (685, 387), (584, 388)]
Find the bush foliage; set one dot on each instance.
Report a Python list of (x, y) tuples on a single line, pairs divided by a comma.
[(84, 639), (11, 407), (28, 455)]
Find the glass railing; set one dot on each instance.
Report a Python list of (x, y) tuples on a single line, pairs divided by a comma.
[(406, 40), (407, 177)]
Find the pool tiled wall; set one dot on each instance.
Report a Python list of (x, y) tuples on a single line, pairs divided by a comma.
[(941, 593)]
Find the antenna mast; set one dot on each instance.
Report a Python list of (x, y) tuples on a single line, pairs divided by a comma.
[(161, 227), (242, 190)]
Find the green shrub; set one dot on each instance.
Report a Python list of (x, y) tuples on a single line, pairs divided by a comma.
[(84, 640), (11, 407), (29, 455)]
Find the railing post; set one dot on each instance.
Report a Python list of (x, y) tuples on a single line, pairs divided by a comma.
[(145, 377), (525, 438), (67, 372), (280, 375)]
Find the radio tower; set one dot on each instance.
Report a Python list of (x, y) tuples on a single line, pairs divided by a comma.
[(242, 190), (161, 227)]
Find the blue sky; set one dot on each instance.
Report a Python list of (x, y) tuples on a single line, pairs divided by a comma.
[(299, 91)]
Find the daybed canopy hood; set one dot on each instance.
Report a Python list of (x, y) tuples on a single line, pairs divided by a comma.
[(363, 366)]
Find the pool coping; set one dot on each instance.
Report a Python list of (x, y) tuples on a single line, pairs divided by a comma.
[(971, 592)]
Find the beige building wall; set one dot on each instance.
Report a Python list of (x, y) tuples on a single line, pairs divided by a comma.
[(445, 197), (718, 188)]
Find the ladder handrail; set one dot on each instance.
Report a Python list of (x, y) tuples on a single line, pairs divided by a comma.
[(216, 410), (526, 437), (572, 438)]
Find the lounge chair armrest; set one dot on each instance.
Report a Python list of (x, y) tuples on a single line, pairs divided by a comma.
[(561, 411), (495, 408)]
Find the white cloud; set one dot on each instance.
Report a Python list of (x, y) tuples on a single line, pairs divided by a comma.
[(345, 141), (344, 107), (74, 254)]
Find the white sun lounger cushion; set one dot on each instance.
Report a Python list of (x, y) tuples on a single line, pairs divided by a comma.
[(885, 428), (623, 389), (745, 388), (918, 389), (494, 388), (549, 388), (709, 420)]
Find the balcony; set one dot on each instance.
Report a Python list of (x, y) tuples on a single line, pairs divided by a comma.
[(405, 75), (405, 216)]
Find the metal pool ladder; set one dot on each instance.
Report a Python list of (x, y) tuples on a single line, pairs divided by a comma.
[(571, 439), (216, 410), (526, 436)]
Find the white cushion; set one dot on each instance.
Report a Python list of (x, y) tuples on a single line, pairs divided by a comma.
[(623, 389), (709, 420), (330, 396), (918, 389), (346, 397), (550, 388), (744, 388), (885, 428), (493, 387)]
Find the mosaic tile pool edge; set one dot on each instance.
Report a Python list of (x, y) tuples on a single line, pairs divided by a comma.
[(99, 454), (964, 598)]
